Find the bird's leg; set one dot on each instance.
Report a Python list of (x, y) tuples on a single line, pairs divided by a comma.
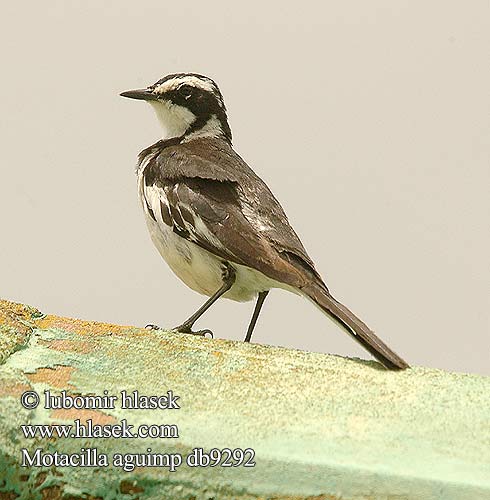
[(229, 276), (255, 316)]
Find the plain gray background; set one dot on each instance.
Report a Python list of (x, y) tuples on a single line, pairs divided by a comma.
[(368, 120)]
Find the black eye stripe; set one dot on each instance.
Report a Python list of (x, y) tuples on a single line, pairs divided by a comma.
[(203, 103)]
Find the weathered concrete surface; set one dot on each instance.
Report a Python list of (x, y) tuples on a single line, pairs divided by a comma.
[(322, 426)]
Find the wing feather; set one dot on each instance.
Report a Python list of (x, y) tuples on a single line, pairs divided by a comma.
[(215, 160), (207, 213)]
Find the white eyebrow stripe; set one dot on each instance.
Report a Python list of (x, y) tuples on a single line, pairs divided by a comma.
[(194, 81)]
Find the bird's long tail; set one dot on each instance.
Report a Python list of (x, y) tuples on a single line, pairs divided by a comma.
[(354, 326)]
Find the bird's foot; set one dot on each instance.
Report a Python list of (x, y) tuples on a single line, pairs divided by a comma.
[(188, 329), (183, 329), (153, 327)]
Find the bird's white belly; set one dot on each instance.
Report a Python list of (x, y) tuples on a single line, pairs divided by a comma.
[(203, 271)]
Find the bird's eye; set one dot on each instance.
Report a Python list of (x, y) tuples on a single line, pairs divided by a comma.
[(186, 91)]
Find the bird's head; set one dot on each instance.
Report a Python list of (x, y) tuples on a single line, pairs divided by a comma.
[(187, 105)]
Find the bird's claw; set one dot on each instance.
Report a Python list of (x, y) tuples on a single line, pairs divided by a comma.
[(183, 329), (153, 327), (188, 330), (205, 332)]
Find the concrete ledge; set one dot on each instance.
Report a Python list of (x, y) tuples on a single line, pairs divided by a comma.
[(322, 426)]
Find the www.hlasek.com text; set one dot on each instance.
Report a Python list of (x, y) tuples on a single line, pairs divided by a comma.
[(122, 430)]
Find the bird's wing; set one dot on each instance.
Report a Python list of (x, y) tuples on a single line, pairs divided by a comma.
[(227, 210), (215, 160)]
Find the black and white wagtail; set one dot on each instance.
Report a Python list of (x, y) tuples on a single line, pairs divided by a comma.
[(215, 222)]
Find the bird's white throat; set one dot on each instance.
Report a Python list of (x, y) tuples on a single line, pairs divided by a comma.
[(176, 120)]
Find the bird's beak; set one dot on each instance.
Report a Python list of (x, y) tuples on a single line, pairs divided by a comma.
[(142, 94)]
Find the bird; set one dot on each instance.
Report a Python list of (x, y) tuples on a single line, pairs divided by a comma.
[(215, 221)]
